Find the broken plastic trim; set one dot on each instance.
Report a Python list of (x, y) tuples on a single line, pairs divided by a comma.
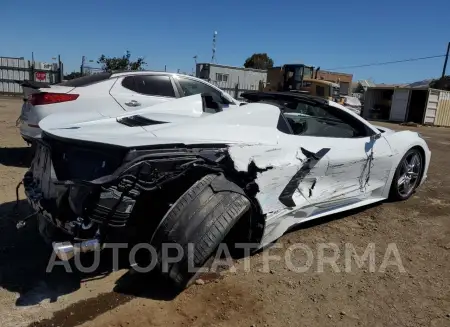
[(312, 159)]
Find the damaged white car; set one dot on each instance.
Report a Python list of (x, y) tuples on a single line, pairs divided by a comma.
[(188, 172)]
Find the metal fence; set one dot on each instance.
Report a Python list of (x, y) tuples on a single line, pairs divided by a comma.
[(14, 70), (87, 70), (237, 89)]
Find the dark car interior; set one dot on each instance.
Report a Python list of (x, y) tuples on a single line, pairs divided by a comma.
[(309, 116)]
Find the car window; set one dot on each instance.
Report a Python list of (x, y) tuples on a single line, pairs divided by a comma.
[(129, 83), (305, 109), (191, 87), (323, 121), (154, 85)]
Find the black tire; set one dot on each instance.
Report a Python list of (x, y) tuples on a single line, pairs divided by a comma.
[(395, 193), (203, 216)]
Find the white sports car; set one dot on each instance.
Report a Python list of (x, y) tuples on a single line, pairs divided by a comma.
[(189, 172)]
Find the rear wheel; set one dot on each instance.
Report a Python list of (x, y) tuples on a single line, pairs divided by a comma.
[(202, 217), (407, 176)]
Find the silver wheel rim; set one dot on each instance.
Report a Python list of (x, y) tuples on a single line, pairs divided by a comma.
[(409, 173)]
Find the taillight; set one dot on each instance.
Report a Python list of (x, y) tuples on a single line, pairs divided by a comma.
[(37, 99)]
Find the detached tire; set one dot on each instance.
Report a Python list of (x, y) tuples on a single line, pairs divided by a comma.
[(203, 216)]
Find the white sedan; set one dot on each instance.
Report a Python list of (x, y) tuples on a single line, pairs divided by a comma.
[(109, 95), (188, 172)]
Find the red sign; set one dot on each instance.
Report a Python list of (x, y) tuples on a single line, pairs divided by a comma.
[(40, 76)]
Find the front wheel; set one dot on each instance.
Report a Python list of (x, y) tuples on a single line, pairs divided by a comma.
[(407, 176)]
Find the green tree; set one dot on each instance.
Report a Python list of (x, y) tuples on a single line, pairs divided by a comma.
[(121, 63), (259, 61), (72, 75), (441, 84)]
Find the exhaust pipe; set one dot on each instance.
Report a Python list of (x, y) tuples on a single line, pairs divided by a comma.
[(66, 250)]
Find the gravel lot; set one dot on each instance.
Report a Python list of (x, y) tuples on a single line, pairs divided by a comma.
[(419, 227)]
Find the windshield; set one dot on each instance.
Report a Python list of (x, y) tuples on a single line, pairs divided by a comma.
[(295, 74), (308, 72)]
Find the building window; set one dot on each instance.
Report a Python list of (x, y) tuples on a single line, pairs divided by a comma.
[(221, 77)]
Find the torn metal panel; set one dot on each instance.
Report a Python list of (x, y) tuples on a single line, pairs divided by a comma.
[(311, 160), (280, 187)]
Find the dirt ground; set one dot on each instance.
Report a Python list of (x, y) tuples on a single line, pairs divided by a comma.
[(419, 227)]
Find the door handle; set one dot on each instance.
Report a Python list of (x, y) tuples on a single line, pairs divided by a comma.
[(133, 103)]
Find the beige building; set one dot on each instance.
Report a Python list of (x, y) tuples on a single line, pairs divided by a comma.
[(343, 79)]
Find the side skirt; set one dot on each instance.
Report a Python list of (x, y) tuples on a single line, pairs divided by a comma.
[(280, 222)]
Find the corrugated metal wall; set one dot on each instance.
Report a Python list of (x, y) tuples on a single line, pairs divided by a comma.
[(443, 109), (19, 69)]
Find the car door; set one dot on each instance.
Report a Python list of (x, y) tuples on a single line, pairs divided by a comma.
[(139, 91), (357, 160), (189, 86)]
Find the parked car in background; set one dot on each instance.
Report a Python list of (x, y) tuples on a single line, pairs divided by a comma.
[(352, 103), (108, 94)]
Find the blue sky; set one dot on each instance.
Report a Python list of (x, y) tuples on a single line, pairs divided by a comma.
[(323, 33)]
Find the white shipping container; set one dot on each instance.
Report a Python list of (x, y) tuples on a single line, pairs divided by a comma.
[(23, 63), (10, 87)]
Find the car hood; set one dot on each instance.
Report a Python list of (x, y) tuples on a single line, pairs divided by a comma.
[(179, 121)]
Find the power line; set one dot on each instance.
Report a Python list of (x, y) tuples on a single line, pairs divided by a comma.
[(387, 62)]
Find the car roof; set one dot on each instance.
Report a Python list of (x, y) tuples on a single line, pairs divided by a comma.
[(151, 72)]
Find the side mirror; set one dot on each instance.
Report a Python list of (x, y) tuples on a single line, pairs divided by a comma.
[(375, 137)]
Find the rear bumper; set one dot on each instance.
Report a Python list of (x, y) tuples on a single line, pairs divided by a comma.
[(29, 133)]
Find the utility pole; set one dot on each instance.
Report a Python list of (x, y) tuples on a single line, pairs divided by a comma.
[(32, 77), (83, 59), (60, 70), (213, 58), (445, 61), (195, 66)]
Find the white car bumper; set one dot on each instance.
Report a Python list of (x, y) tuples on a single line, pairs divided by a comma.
[(29, 132)]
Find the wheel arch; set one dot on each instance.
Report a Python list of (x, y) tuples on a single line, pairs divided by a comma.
[(401, 142), (253, 221)]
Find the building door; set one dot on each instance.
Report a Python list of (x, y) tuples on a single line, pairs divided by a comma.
[(399, 105)]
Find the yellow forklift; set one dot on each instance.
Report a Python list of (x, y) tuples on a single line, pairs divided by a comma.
[(301, 78)]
